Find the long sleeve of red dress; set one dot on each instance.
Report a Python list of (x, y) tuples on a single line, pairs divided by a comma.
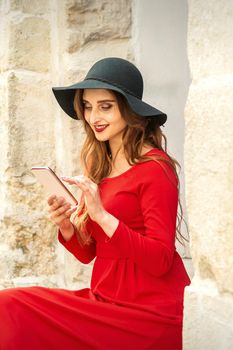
[(84, 254)]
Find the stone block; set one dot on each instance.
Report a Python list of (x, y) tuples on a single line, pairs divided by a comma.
[(95, 21), (25, 227), (3, 125), (7, 261), (209, 190), (29, 44), (31, 121), (210, 37), (3, 38), (30, 6), (3, 97), (208, 318)]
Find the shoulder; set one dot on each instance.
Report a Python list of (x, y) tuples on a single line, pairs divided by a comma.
[(156, 168), (156, 159), (157, 153)]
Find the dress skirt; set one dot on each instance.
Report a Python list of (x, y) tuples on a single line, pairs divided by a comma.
[(42, 318)]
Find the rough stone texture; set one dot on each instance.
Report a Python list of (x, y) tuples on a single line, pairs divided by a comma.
[(92, 21), (29, 44), (210, 188), (210, 321), (208, 172), (35, 7), (44, 44), (210, 26), (27, 244), (25, 228)]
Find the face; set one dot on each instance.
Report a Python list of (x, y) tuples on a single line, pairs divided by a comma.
[(102, 113)]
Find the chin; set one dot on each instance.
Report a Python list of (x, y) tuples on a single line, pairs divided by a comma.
[(101, 138)]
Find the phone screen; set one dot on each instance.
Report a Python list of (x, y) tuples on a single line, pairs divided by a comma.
[(52, 184)]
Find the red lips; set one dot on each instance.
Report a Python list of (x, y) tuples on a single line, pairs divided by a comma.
[(100, 128)]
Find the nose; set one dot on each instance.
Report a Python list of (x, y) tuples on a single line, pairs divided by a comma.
[(94, 116)]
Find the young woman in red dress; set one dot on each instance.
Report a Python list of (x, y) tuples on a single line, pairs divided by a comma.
[(126, 220)]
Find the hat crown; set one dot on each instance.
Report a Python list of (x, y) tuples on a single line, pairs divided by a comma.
[(118, 72)]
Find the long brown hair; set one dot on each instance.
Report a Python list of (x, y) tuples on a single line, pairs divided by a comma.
[(97, 161)]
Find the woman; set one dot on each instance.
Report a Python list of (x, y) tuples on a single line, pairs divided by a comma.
[(126, 219)]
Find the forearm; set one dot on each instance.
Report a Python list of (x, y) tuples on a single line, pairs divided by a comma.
[(151, 254), (108, 223), (85, 254)]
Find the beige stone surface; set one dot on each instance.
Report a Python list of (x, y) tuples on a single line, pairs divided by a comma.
[(27, 245), (37, 7), (209, 184), (4, 34), (92, 21), (25, 228), (31, 120), (208, 308), (208, 321), (29, 44), (210, 37)]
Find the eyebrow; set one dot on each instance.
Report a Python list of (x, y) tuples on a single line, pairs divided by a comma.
[(100, 101)]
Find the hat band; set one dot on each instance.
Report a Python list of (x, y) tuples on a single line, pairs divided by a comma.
[(116, 85)]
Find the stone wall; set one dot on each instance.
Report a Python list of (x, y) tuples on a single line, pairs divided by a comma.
[(52, 43), (208, 322), (44, 44)]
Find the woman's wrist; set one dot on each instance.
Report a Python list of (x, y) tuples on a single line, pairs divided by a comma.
[(67, 232), (108, 223)]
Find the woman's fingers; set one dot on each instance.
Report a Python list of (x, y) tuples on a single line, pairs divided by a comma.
[(51, 199), (61, 214), (80, 180), (58, 206), (60, 210), (64, 210), (75, 180), (89, 188), (56, 202), (90, 194)]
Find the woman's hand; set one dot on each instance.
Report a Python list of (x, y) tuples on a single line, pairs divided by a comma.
[(60, 212), (90, 194)]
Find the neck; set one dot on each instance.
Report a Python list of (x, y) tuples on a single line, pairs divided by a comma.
[(116, 149), (117, 155)]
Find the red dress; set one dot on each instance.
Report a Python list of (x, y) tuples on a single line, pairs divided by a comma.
[(135, 300)]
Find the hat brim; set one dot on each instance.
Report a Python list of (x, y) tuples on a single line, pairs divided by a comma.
[(65, 98)]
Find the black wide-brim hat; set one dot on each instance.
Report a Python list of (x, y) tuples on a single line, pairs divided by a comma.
[(115, 74)]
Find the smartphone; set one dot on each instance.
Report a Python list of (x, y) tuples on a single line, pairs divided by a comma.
[(52, 184)]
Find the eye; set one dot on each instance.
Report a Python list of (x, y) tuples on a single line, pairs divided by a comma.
[(86, 106), (106, 106)]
